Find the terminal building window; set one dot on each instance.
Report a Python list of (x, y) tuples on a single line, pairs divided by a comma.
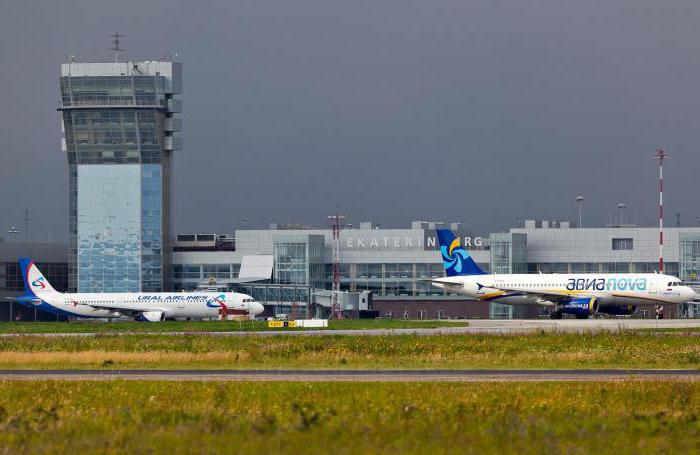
[(391, 270), (615, 267), (216, 271), (437, 270), (645, 267), (375, 270), (422, 270), (622, 244)]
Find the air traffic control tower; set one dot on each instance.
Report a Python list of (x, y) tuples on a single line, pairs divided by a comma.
[(121, 125)]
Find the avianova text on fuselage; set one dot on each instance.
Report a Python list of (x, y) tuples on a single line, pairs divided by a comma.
[(582, 295), (145, 306)]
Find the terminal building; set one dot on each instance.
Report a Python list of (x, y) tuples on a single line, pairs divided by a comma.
[(381, 269), (390, 263)]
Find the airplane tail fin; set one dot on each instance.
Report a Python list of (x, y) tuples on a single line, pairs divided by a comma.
[(35, 283), (455, 258)]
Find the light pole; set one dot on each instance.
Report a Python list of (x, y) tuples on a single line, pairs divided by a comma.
[(661, 156), (622, 208), (579, 201)]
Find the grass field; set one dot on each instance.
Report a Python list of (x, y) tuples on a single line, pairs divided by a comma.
[(542, 350), (234, 417), (212, 326)]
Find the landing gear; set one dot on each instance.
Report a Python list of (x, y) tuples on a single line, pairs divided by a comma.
[(581, 316), (555, 315)]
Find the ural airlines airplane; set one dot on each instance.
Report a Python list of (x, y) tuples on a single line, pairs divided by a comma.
[(580, 294), (146, 306)]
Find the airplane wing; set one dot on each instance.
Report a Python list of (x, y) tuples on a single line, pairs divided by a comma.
[(25, 299), (544, 295), (446, 284), (123, 311)]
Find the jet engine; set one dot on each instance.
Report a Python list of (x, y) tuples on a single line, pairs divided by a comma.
[(581, 307), (151, 316)]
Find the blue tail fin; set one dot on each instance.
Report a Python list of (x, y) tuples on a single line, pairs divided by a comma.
[(24, 264), (455, 258), (35, 284)]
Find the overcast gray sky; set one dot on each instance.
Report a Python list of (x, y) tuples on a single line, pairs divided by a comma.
[(480, 111)]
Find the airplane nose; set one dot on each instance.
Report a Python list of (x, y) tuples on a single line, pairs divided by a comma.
[(256, 308)]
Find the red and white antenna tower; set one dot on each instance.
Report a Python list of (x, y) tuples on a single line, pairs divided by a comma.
[(336, 222), (661, 156), (115, 45)]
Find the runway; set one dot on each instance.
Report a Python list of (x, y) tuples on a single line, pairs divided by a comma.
[(354, 375), (483, 326)]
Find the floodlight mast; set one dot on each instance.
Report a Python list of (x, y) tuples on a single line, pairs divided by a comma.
[(579, 201), (661, 156)]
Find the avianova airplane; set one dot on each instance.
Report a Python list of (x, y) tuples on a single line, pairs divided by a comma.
[(580, 294), (146, 306)]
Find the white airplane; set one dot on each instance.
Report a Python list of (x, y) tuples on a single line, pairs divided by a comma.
[(145, 306), (580, 294)]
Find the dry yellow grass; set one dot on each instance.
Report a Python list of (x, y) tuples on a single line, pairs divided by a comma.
[(619, 350), (12, 359), (102, 357)]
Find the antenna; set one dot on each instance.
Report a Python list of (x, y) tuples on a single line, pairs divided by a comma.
[(336, 222), (678, 219), (115, 45)]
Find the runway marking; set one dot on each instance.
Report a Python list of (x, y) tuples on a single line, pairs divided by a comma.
[(354, 375)]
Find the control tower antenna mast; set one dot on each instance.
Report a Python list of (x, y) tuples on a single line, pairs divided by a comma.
[(26, 221), (661, 156), (336, 223), (115, 45)]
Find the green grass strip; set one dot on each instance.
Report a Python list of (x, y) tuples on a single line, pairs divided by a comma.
[(626, 417)]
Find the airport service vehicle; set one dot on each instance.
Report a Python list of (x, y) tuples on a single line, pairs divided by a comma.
[(144, 306), (580, 294)]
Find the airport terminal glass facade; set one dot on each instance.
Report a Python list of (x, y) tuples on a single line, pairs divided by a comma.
[(508, 255), (187, 277), (388, 279), (689, 256), (118, 138), (298, 259)]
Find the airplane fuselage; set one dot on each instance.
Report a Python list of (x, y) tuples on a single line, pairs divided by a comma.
[(171, 305), (608, 289)]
